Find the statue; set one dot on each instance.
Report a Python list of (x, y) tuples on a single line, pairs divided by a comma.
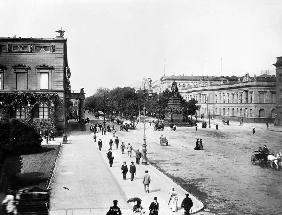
[(174, 88)]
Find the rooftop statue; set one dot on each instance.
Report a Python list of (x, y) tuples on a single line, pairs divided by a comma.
[(174, 88)]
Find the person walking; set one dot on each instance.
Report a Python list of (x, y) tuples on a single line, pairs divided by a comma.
[(116, 142), (173, 200), (111, 144), (110, 157), (100, 144), (154, 207), (132, 170), (138, 156), (138, 209), (129, 150), (146, 181), (122, 146), (124, 170), (187, 204), (114, 210), (254, 130), (94, 137)]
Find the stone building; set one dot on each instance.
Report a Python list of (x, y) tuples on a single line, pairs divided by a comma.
[(34, 80), (188, 82), (251, 99), (278, 65)]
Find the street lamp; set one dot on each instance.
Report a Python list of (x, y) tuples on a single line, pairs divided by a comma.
[(144, 145), (104, 112)]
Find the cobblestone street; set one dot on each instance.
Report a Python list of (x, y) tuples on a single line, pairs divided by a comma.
[(221, 175)]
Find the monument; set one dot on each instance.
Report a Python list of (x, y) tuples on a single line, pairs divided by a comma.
[(174, 110)]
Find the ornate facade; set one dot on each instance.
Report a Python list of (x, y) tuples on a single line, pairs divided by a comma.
[(251, 99), (34, 80)]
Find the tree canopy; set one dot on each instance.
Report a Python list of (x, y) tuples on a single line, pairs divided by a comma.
[(127, 102)]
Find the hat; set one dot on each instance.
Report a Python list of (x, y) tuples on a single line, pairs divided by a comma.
[(155, 198), (115, 201), (132, 162), (187, 194), (146, 171)]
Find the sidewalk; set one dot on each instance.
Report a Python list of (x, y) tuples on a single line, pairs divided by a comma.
[(160, 183)]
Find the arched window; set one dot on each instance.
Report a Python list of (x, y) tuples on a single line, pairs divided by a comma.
[(43, 111), (223, 110), (241, 112), (232, 112), (273, 113), (261, 113)]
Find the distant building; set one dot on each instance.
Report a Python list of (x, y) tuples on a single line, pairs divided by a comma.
[(34, 80), (278, 65), (251, 99), (188, 82)]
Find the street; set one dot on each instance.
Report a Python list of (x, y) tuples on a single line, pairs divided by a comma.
[(221, 175)]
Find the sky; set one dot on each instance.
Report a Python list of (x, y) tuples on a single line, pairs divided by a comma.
[(115, 43)]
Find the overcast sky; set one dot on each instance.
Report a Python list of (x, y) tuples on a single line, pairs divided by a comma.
[(118, 42)]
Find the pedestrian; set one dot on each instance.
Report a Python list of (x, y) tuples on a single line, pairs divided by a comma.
[(174, 127), (187, 204), (122, 146), (114, 210), (138, 156), (110, 157), (154, 207), (267, 125), (132, 170), (254, 130), (201, 144), (116, 142), (173, 200), (95, 137), (196, 127), (124, 170), (114, 132), (146, 181), (129, 150), (111, 144), (9, 203), (100, 144), (138, 209)]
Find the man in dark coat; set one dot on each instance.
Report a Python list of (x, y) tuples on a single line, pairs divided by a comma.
[(187, 204), (138, 156), (116, 142), (132, 170), (100, 144), (110, 157), (111, 144), (154, 207), (114, 210), (124, 170)]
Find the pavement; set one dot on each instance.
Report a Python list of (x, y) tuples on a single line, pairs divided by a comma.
[(84, 183)]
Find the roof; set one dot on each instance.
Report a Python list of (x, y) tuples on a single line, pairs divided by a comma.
[(190, 78)]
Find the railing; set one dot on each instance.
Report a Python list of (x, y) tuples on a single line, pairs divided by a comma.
[(86, 211)]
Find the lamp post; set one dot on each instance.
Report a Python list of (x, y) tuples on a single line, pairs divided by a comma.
[(144, 145), (104, 112)]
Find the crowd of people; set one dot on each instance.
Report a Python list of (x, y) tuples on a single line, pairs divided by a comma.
[(132, 170)]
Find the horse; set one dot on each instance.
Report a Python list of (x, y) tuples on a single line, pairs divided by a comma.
[(275, 162)]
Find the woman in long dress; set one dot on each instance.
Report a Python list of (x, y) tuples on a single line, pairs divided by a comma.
[(173, 199)]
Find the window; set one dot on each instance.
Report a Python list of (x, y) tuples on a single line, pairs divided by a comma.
[(44, 80), (273, 113), (223, 111), (251, 112), (20, 112), (43, 111), (232, 113), (21, 80), (261, 97), (261, 113), (1, 81), (251, 97)]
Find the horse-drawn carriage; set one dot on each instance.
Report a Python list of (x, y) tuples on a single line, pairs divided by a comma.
[(159, 126), (163, 141), (267, 160)]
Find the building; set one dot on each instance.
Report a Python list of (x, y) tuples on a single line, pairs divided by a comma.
[(278, 65), (188, 82), (34, 80), (251, 99)]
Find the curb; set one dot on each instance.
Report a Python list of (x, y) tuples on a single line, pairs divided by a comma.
[(50, 180)]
